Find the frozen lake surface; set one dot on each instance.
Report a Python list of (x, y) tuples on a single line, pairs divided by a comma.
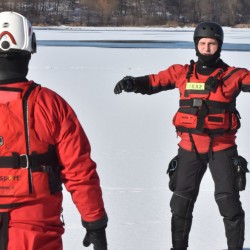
[(132, 136), (141, 44), (128, 38)]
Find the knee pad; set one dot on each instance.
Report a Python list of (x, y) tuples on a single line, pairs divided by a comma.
[(230, 207), (181, 206)]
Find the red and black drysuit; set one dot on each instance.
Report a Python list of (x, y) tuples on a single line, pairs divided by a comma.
[(206, 122), (42, 145)]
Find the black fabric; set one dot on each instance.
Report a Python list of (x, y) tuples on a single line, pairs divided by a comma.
[(179, 248), (215, 119), (203, 111), (239, 170), (13, 67), (208, 60), (189, 173), (46, 162), (213, 82), (205, 69), (245, 87), (173, 164), (233, 218), (230, 107), (96, 224), (12, 79), (9, 89), (34, 161), (12, 205), (4, 227), (181, 208), (127, 84), (97, 238), (96, 233), (143, 86), (25, 113)]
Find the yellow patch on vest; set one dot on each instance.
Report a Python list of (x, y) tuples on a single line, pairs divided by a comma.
[(195, 86)]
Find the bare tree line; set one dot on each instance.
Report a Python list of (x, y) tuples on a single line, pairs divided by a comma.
[(131, 12)]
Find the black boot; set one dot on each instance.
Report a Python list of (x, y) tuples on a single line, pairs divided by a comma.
[(235, 232), (181, 221)]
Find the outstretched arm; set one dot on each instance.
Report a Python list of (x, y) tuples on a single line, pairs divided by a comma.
[(150, 84)]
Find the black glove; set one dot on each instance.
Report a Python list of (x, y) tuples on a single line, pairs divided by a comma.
[(97, 238), (126, 84)]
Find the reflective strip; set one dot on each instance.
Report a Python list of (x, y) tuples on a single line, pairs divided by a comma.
[(195, 86)]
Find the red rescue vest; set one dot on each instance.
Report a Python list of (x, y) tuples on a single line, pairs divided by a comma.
[(29, 168), (204, 109)]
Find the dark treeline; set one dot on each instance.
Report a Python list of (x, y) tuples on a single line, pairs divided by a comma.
[(131, 12)]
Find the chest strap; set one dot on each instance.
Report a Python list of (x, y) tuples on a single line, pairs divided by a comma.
[(198, 103), (35, 162)]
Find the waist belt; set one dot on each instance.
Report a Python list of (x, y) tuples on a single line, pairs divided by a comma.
[(36, 162), (195, 102)]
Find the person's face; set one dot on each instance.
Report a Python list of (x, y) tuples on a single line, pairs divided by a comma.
[(208, 46)]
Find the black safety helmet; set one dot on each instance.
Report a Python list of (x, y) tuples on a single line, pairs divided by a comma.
[(209, 30)]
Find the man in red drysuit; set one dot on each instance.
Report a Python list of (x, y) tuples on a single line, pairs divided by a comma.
[(206, 121), (42, 146)]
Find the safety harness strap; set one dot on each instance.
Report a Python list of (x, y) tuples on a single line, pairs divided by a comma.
[(196, 102), (218, 131), (194, 148), (202, 115), (25, 113), (36, 162)]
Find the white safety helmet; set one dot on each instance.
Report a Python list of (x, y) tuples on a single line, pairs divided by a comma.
[(16, 33)]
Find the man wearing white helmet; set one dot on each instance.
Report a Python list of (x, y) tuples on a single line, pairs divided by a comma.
[(206, 122), (42, 146)]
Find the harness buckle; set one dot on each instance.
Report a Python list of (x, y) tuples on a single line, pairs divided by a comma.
[(26, 160), (46, 168), (197, 102)]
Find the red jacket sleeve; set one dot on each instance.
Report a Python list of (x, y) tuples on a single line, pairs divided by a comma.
[(164, 80), (56, 123)]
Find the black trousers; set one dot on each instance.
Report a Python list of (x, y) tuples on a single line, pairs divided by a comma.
[(4, 226), (188, 176)]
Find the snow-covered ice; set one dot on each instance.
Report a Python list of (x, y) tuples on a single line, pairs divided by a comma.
[(131, 135)]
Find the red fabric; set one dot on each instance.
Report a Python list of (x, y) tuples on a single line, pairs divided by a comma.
[(15, 188), (202, 142), (233, 84), (6, 97), (37, 225), (55, 122)]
